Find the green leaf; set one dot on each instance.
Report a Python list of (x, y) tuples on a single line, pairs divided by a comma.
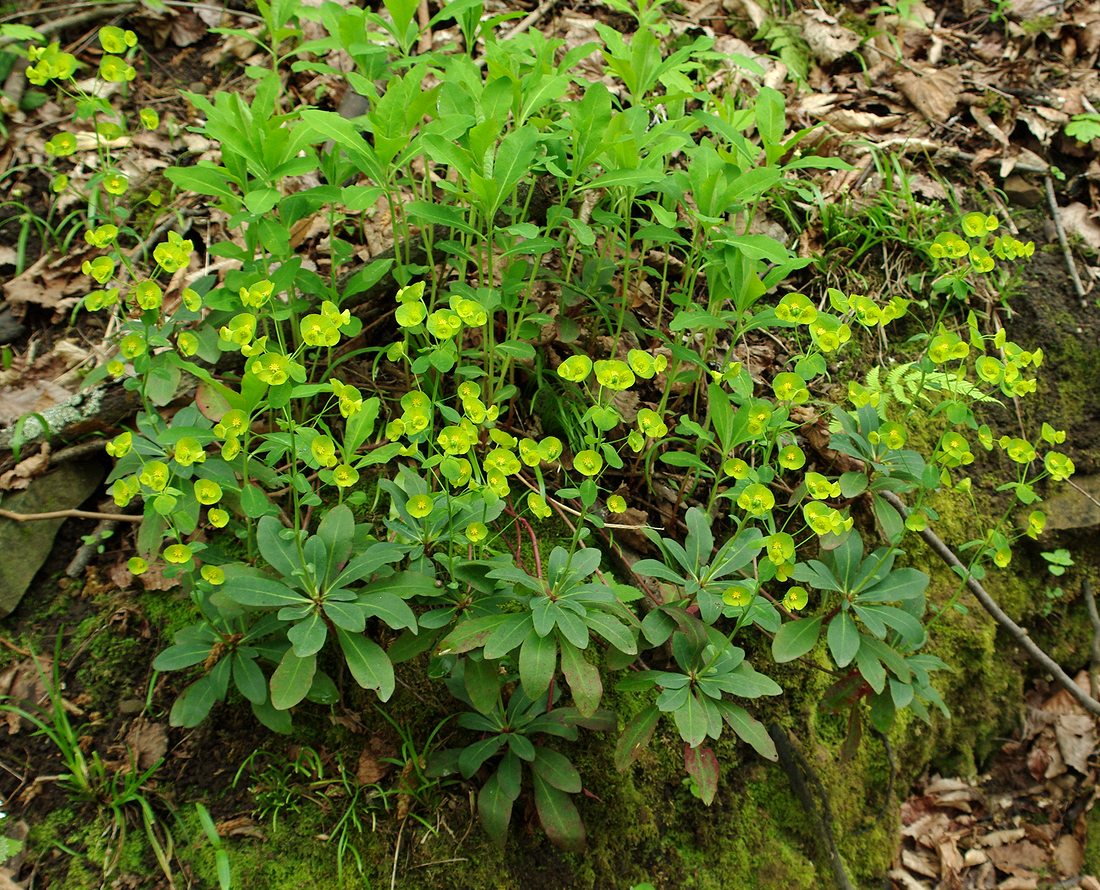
[(204, 179), (194, 703), (583, 679), (368, 663), (495, 809), (255, 503), (870, 667), (470, 634), (249, 679), (795, 638), (254, 590), (182, 655), (538, 659), (556, 769), (691, 720), (336, 530), (843, 637), (636, 735), (558, 815), (702, 766), (308, 636), (510, 633), (292, 678), (481, 678), (900, 584), (749, 729), (473, 756), (612, 630), (391, 609)]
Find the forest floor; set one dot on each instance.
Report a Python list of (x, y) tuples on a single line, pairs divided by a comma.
[(938, 106)]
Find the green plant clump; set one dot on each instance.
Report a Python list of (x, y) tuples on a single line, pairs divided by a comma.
[(555, 242)]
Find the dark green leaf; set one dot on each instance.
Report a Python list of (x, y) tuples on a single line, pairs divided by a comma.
[(558, 815), (702, 766), (292, 678), (795, 638), (636, 735), (368, 663), (538, 658), (843, 637)]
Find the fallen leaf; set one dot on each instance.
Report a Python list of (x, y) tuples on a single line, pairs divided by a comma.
[(934, 92), (147, 742), (827, 38), (1077, 219)]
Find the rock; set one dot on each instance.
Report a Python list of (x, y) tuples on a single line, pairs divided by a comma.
[(26, 545), (1019, 191), (1072, 508)]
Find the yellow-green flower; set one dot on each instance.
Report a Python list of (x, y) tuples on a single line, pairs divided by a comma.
[(323, 449), (115, 184), (738, 596), (214, 575), (443, 324), (177, 553), (218, 517), (736, 468), (188, 451), (120, 445), (187, 343), (332, 312), (230, 449), (271, 367), (240, 330), (131, 346), (61, 145), (550, 448), (795, 599), (255, 295), (470, 311), (234, 423), (588, 462), (115, 40), (1018, 450), (791, 457), (149, 118), (756, 499), (641, 363), (892, 435), (976, 225), (820, 488), (477, 532), (345, 475), (529, 452), (796, 308), (409, 315), (1058, 465), (758, 417), (420, 505), (59, 183), (1002, 557), (349, 397), (173, 254), (101, 268), (651, 423), (780, 548), (1036, 522), (317, 330), (503, 461), (789, 387), (456, 470), (497, 483), (137, 565), (207, 492), (101, 236), (614, 374), (116, 70), (124, 490), (50, 63), (866, 310), (116, 368), (575, 368), (824, 520), (148, 295), (946, 346), (536, 503), (916, 521), (616, 504)]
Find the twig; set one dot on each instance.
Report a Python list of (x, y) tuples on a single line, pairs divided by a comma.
[(396, 853), (1083, 492), (88, 549), (1071, 266), (423, 19), (1094, 654), (1019, 634), (531, 18), (67, 514), (798, 771)]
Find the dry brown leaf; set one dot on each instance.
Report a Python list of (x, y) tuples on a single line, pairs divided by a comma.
[(23, 684), (1076, 736), (240, 826), (848, 120), (370, 769), (1068, 856), (147, 742), (1077, 219), (1022, 859), (920, 862), (20, 476), (934, 92), (827, 38)]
